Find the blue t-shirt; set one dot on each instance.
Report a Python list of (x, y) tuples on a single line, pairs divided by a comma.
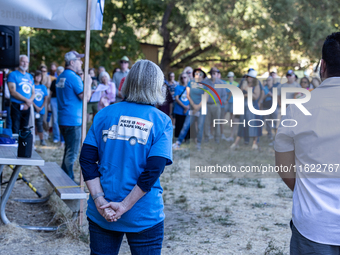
[(183, 98), (23, 84), (68, 87), (126, 134), (195, 92), (228, 91), (40, 94)]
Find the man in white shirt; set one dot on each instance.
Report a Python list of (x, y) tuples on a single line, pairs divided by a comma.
[(313, 146)]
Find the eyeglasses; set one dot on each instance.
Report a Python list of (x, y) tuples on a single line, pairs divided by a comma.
[(188, 72), (124, 62), (43, 71), (199, 74)]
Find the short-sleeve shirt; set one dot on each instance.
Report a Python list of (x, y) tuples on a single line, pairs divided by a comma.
[(288, 85), (181, 91), (118, 76), (126, 135), (69, 85), (23, 84), (195, 92), (40, 94), (315, 141), (228, 91)]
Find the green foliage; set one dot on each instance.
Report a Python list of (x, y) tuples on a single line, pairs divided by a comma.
[(230, 34)]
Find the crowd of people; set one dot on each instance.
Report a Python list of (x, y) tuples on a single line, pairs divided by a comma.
[(52, 100), (184, 107), (129, 144)]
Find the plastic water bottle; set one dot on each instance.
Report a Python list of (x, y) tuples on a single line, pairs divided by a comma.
[(49, 114), (1, 126)]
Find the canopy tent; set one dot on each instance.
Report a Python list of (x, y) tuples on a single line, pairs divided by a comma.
[(63, 15)]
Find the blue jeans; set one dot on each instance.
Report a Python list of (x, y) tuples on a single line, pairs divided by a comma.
[(190, 121), (146, 242), (56, 133), (72, 136), (300, 245)]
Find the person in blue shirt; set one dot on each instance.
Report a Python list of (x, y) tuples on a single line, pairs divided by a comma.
[(122, 158), (69, 90), (194, 94), (229, 106), (181, 107), (39, 104), (20, 85), (267, 104)]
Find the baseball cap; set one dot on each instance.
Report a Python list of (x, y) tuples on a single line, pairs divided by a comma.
[(252, 73), (290, 72), (214, 69), (73, 55), (231, 74), (125, 58)]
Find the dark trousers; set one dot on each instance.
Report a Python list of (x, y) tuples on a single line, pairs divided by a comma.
[(300, 245), (106, 242), (72, 136), (180, 119), (19, 118)]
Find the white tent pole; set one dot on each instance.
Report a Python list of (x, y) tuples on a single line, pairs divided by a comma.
[(84, 119), (28, 48)]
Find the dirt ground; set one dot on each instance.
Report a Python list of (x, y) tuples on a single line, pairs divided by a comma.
[(203, 215)]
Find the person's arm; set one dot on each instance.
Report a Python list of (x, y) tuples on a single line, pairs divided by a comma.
[(286, 159), (257, 92), (154, 168), (15, 94), (88, 162), (37, 108), (88, 86)]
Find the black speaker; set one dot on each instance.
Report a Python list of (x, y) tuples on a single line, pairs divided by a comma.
[(9, 47)]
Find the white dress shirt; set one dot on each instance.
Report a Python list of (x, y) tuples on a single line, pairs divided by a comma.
[(316, 140)]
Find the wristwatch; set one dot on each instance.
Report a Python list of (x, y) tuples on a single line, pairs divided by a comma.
[(100, 194)]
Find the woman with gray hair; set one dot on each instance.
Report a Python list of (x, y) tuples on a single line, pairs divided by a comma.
[(106, 89), (122, 158)]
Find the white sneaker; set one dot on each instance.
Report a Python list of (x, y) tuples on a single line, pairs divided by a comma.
[(176, 145), (55, 141), (255, 147), (224, 138), (198, 147), (230, 139), (233, 146)]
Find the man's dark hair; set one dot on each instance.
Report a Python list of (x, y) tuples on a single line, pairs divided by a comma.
[(331, 54)]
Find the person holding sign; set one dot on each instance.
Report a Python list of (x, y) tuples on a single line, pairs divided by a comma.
[(123, 156)]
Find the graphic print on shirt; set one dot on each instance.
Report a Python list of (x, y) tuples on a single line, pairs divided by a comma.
[(132, 129), (26, 86), (184, 96), (61, 83), (39, 95)]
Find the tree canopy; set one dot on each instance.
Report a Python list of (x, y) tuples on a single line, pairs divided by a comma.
[(231, 34)]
